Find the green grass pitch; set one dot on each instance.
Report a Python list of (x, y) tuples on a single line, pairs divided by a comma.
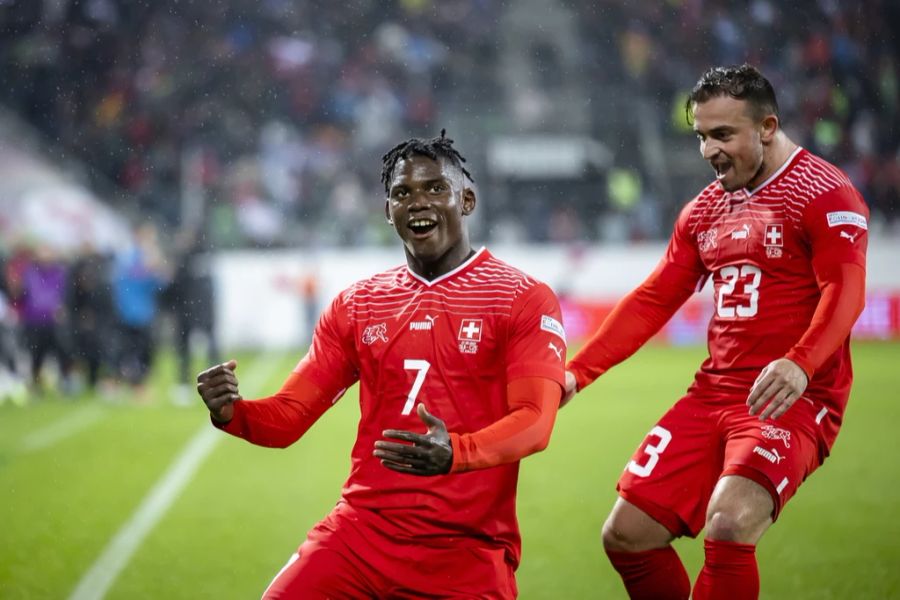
[(63, 497)]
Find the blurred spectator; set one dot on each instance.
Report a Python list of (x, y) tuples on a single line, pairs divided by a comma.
[(190, 297), (44, 317), (12, 386), (92, 315), (138, 278)]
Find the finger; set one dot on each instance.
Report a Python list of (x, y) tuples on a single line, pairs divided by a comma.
[(775, 399), (779, 405), (428, 418), (400, 458), (220, 390), (400, 448), (215, 373), (217, 380), (571, 383), (765, 390), (408, 436)]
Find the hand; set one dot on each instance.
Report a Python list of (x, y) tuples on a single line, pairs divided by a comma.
[(779, 385), (425, 454), (571, 389), (218, 387)]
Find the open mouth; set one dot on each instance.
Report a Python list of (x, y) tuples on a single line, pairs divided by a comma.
[(721, 170), (422, 226)]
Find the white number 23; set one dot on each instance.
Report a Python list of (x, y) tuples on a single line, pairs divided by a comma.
[(749, 275)]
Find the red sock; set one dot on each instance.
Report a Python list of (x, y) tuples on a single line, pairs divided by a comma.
[(652, 574), (729, 572)]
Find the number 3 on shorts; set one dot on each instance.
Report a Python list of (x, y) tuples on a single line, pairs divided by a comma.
[(653, 451)]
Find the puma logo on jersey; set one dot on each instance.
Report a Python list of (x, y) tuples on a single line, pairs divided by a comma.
[(852, 238), (557, 351), (741, 234), (425, 325)]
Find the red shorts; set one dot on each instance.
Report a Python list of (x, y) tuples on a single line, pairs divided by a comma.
[(701, 439), (344, 557)]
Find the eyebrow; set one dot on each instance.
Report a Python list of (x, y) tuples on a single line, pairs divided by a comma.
[(715, 130), (425, 183)]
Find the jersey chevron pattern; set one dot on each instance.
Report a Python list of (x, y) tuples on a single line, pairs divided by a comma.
[(761, 248), (453, 343)]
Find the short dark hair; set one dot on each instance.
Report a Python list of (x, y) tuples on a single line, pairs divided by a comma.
[(434, 148), (742, 82)]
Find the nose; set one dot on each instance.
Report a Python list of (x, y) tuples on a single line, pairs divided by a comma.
[(708, 149), (419, 201)]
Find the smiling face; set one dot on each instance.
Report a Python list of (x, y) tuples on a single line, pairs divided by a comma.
[(734, 142), (427, 202)]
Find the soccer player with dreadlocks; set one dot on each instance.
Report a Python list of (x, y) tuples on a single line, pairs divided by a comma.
[(460, 362)]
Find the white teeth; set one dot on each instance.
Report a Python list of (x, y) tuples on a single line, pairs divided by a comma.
[(421, 223)]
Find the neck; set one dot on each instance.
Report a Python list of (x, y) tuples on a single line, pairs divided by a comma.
[(432, 269), (774, 156)]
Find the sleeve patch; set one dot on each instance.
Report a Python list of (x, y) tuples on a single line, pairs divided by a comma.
[(550, 324), (846, 217)]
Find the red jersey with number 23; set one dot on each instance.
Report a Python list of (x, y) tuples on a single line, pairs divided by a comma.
[(760, 248), (453, 344)]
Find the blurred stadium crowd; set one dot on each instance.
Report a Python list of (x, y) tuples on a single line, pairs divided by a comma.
[(271, 117), (277, 111), (97, 316)]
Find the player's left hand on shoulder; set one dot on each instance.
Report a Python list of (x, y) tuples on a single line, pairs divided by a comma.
[(427, 453), (776, 389)]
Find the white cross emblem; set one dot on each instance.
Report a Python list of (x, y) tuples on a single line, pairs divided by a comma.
[(470, 330), (774, 236)]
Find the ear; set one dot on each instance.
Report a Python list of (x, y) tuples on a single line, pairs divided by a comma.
[(468, 201), (387, 212), (768, 129)]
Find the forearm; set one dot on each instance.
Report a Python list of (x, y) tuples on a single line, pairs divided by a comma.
[(843, 297), (533, 402), (280, 420), (633, 321)]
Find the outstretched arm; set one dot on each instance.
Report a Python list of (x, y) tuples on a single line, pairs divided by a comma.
[(633, 321), (532, 402), (275, 421)]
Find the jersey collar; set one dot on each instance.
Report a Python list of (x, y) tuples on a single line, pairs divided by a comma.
[(481, 253), (777, 174)]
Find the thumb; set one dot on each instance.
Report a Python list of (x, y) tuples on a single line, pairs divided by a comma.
[(428, 418), (231, 364)]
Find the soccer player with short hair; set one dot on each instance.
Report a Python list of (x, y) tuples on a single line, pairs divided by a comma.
[(782, 235), (429, 507)]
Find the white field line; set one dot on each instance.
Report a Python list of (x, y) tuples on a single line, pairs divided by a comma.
[(61, 429), (97, 581)]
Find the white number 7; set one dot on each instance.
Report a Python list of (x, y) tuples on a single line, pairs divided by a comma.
[(422, 367)]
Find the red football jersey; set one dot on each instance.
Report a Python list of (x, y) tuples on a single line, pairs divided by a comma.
[(760, 247), (453, 344)]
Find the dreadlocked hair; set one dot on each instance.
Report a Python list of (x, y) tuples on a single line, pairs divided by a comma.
[(434, 148)]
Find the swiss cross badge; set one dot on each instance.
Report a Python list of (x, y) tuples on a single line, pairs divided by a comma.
[(774, 240), (469, 335)]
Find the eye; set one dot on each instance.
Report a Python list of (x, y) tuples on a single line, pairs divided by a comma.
[(437, 188), (399, 193)]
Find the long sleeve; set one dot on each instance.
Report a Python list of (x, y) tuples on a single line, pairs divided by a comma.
[(533, 403), (280, 420), (634, 320), (843, 288)]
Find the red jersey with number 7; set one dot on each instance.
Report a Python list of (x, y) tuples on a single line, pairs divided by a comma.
[(760, 247), (453, 343)]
